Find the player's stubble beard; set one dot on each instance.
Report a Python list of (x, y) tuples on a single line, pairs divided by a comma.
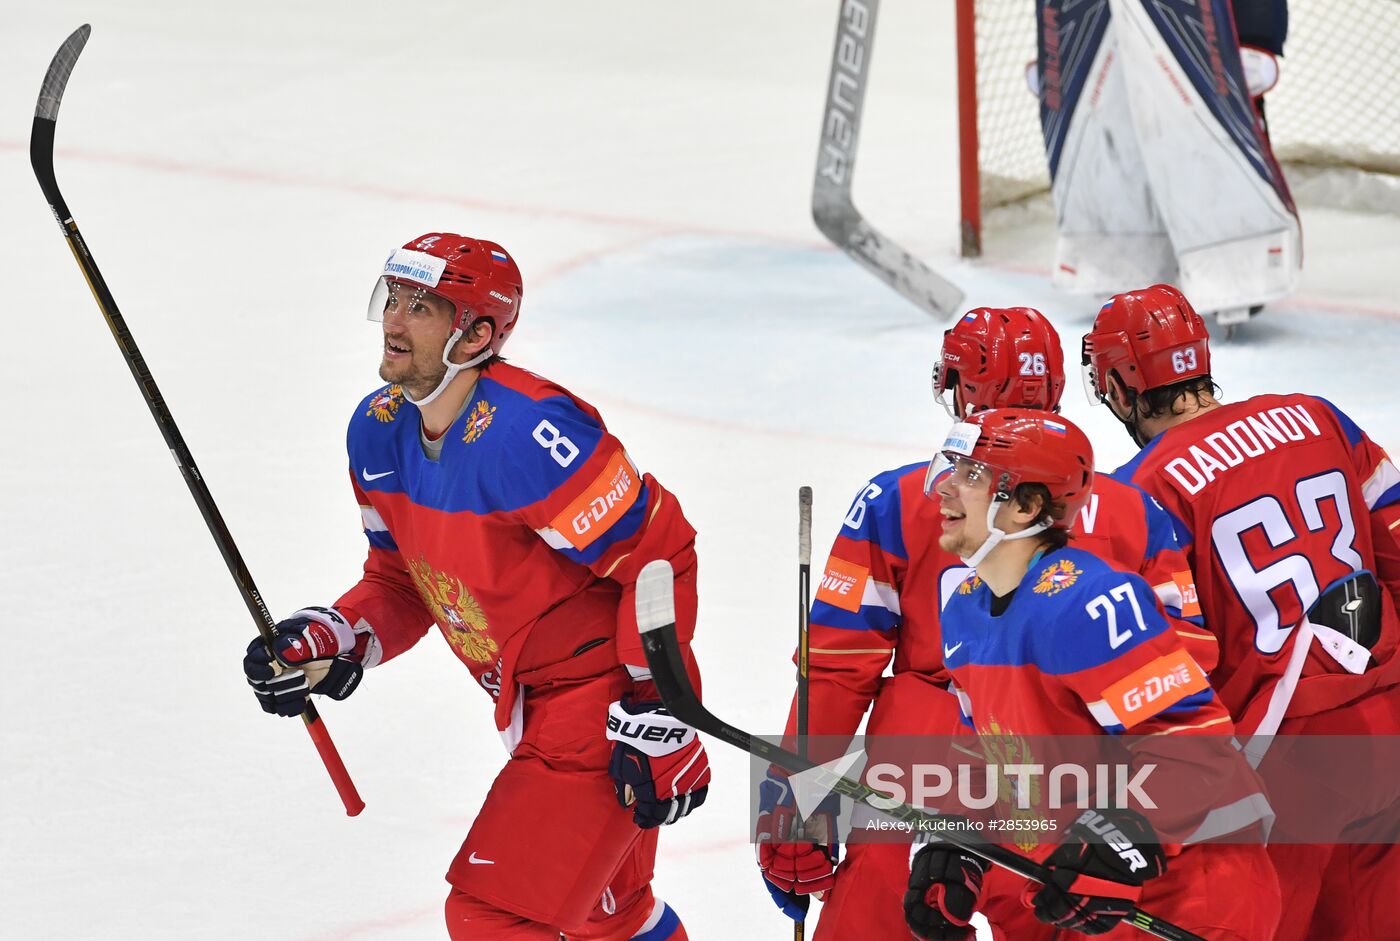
[(956, 543), (419, 379), (961, 542)]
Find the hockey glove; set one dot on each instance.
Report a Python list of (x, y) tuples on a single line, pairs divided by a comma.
[(794, 868), (1097, 872), (945, 889), (315, 651), (658, 767)]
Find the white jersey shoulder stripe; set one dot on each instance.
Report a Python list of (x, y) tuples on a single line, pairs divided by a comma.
[(1103, 714), (881, 594), (1384, 477), (373, 522)]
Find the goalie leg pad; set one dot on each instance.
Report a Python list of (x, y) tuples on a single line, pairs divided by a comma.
[(1111, 236), (1214, 178)]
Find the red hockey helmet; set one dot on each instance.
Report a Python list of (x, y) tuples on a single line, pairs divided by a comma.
[(1013, 446), (1150, 338), (475, 276), (1000, 357)]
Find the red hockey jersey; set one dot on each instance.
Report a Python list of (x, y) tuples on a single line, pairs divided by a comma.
[(1276, 498), (1083, 649), (522, 542), (886, 580)]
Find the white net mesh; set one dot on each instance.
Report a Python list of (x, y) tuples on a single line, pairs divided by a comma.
[(1337, 103)]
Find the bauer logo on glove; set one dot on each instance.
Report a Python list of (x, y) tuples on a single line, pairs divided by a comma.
[(658, 767), (654, 738)]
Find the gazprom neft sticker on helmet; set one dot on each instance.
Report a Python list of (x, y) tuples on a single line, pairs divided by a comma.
[(415, 266), (962, 438)]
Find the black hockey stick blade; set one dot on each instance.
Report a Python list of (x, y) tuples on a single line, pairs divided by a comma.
[(46, 117), (656, 619), (833, 209)]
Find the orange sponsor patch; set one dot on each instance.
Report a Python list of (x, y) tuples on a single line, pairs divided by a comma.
[(1154, 687), (606, 499), (843, 584), (1190, 603)]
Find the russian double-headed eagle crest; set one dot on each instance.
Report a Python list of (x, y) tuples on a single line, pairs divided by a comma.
[(479, 420), (968, 585), (385, 406), (1001, 747), (459, 615), (1057, 577)]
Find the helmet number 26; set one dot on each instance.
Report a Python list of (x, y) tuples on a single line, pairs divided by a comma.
[(1032, 364)]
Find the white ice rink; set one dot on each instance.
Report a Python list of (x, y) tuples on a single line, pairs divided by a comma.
[(240, 171)]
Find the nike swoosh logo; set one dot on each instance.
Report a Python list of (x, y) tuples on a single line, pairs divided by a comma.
[(949, 651), (364, 472), (475, 861)]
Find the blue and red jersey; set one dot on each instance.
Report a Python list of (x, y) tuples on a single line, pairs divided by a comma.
[(1083, 648), (1275, 499), (886, 578), (1055, 660), (522, 541)]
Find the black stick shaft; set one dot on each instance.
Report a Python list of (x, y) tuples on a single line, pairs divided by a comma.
[(668, 672), (804, 608), (41, 143)]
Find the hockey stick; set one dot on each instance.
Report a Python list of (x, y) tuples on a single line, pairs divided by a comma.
[(656, 619), (833, 210), (804, 605), (41, 157)]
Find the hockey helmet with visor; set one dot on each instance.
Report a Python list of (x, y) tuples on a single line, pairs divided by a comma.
[(1001, 448), (475, 278)]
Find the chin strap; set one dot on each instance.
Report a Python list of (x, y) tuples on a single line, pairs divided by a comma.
[(995, 536), (452, 368)]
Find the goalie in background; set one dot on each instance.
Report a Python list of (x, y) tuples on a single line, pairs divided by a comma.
[(1158, 150)]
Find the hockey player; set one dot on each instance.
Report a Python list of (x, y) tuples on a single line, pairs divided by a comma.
[(1158, 152), (1046, 639), (874, 603), (499, 509), (1288, 511)]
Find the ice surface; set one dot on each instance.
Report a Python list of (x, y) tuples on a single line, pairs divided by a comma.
[(240, 172)]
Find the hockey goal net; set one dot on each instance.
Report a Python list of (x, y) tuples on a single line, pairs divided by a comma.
[(1334, 117)]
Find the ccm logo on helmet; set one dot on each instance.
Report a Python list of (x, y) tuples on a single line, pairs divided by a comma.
[(1114, 838), (650, 733)]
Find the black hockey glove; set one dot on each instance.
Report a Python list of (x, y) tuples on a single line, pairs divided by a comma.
[(1097, 872), (1352, 608), (315, 652), (945, 889)]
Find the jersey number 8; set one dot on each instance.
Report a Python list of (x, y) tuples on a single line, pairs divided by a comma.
[(559, 447)]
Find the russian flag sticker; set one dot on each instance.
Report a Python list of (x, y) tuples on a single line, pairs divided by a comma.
[(499, 257), (1054, 427)]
